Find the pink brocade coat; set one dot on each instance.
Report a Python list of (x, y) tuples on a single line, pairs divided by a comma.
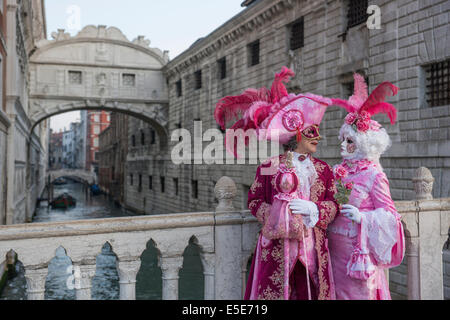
[(267, 270), (361, 252)]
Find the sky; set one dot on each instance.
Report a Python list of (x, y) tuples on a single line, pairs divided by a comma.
[(171, 25)]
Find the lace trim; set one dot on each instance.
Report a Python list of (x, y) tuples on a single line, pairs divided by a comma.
[(350, 231), (381, 233)]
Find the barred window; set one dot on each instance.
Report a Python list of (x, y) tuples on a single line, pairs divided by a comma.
[(253, 50), (75, 77), (152, 137), (179, 88), (128, 80), (175, 183), (357, 12), (150, 182), (142, 137), (198, 79), (438, 83), (222, 66), (297, 34), (194, 186), (162, 180)]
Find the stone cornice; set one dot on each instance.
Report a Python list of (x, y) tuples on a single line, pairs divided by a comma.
[(103, 34), (234, 29), (96, 66)]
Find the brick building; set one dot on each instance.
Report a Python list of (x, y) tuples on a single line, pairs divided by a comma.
[(97, 121), (112, 155)]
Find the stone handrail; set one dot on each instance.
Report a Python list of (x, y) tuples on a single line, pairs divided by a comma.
[(221, 235), (226, 238)]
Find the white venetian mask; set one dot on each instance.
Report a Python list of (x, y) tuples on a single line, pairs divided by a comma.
[(349, 149)]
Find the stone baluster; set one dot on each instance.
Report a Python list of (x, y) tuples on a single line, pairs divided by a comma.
[(170, 267), (208, 260), (423, 184), (227, 242), (413, 276), (128, 270), (424, 240), (83, 274), (36, 282)]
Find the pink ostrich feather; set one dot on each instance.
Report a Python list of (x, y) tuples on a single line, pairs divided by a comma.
[(278, 90), (233, 106), (360, 93), (236, 133), (257, 112), (379, 94), (375, 103), (383, 107), (344, 104)]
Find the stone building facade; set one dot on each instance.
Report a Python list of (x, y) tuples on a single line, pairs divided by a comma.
[(323, 42), (23, 147), (55, 150)]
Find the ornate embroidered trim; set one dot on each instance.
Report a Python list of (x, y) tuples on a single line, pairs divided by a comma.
[(262, 211), (316, 190), (256, 184), (327, 211), (324, 287)]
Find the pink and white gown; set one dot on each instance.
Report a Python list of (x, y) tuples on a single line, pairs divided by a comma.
[(361, 252)]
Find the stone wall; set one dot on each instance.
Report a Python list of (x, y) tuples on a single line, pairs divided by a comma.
[(4, 122), (446, 260), (324, 65)]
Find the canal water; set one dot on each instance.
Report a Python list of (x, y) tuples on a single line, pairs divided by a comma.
[(105, 284)]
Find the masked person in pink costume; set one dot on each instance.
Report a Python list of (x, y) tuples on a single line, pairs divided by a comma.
[(292, 195), (367, 236)]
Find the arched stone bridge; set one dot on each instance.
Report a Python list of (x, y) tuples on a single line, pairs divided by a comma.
[(99, 69), (87, 176)]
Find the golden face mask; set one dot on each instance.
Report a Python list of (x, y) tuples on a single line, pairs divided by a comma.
[(312, 132)]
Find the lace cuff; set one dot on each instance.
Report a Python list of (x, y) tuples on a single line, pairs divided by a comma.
[(381, 226)]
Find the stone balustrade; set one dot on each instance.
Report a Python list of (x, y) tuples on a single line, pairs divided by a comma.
[(226, 238)]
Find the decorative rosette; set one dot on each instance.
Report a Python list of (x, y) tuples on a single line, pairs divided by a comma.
[(359, 121)]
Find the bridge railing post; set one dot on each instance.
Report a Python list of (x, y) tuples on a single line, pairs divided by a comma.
[(227, 242)]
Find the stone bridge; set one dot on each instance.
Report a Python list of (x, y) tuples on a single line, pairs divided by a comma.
[(226, 238), (84, 175), (99, 69)]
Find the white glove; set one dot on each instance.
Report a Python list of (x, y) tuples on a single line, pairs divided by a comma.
[(351, 213), (308, 210)]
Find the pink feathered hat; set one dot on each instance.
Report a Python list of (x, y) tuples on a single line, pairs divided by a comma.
[(361, 106), (275, 114)]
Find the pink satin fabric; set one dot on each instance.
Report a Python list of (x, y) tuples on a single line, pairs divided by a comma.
[(370, 247)]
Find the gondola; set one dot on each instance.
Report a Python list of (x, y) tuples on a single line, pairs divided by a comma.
[(63, 201)]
